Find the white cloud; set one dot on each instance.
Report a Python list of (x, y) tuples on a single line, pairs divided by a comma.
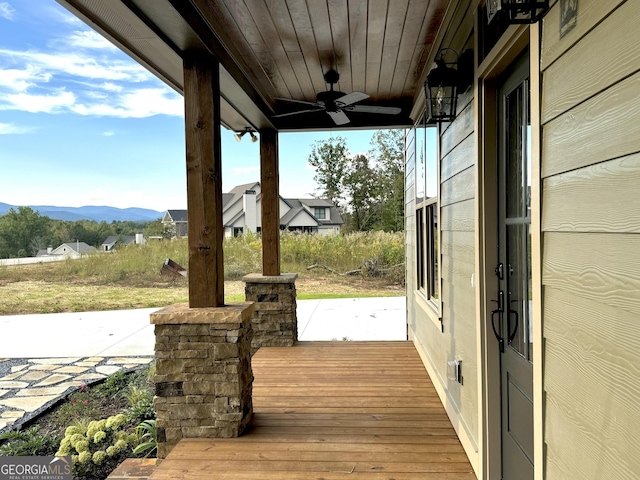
[(111, 87), (39, 103), (6, 10), (101, 83), (242, 170), (11, 129), (20, 80), (140, 103), (109, 133), (80, 65), (89, 39)]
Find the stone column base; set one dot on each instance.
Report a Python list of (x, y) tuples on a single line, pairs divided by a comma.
[(275, 323), (203, 372)]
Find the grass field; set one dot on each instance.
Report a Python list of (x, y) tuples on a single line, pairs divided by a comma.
[(130, 277)]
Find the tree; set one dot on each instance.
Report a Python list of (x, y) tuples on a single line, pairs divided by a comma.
[(388, 150), (368, 188), (360, 185), (330, 159), (157, 228), (23, 232)]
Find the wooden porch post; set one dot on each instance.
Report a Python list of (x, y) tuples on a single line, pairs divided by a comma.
[(204, 181), (269, 186)]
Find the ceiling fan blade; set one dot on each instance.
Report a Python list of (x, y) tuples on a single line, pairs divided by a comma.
[(297, 112), (339, 117), (351, 98), (302, 102), (374, 109)]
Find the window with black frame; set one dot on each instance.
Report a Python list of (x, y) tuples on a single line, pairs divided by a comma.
[(427, 237)]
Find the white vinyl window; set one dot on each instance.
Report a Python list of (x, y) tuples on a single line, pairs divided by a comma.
[(427, 208)]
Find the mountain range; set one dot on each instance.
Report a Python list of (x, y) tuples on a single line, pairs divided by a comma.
[(97, 213)]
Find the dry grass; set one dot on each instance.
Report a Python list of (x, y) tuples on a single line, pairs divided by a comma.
[(130, 278), (26, 297)]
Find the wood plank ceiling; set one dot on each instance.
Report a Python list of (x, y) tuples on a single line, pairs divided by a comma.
[(378, 47), (283, 48)]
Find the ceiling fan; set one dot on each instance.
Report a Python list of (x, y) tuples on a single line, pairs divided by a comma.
[(336, 103)]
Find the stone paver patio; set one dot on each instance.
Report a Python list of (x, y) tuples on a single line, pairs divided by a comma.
[(30, 386)]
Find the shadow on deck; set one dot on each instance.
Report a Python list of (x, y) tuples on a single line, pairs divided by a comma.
[(333, 410)]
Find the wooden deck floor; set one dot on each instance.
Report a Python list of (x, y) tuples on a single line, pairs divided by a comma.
[(333, 410)]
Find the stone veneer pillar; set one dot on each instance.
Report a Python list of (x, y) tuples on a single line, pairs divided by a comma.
[(203, 372), (275, 323)]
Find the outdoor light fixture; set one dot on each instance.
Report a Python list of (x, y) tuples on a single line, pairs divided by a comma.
[(238, 135), (517, 11), (441, 89)]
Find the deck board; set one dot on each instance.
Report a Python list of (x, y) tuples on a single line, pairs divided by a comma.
[(333, 410)]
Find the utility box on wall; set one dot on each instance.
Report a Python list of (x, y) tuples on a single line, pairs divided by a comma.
[(454, 371)]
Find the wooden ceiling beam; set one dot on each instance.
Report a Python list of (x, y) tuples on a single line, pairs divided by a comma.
[(192, 15)]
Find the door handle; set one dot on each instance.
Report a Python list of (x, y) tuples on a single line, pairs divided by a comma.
[(498, 312)]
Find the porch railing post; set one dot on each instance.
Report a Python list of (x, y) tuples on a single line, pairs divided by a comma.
[(270, 201)]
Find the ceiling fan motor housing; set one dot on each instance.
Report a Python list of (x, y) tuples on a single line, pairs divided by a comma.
[(331, 77), (329, 98)]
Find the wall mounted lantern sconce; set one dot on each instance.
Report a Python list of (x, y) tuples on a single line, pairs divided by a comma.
[(517, 11), (444, 83), (238, 135)]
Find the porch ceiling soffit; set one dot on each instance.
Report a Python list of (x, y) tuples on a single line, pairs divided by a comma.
[(281, 49)]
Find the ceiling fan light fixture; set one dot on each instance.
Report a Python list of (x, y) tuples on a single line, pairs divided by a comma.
[(336, 103)]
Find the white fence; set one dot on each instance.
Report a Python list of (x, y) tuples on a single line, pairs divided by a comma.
[(8, 262)]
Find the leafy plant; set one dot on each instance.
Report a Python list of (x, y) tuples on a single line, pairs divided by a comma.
[(114, 385), (104, 442), (28, 443), (140, 401), (136, 394), (147, 438), (78, 406)]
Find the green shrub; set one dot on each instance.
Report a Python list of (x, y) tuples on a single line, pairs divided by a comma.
[(103, 444), (147, 434), (140, 400), (28, 443), (115, 385)]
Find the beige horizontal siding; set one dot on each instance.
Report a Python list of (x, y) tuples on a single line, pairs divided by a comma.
[(604, 198), (608, 54)]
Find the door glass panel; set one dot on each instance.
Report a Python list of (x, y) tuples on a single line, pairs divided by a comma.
[(436, 254), (527, 159), (515, 331), (529, 304), (514, 152)]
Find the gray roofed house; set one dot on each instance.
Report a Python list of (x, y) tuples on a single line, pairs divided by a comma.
[(111, 241), (73, 249), (116, 240), (176, 219), (241, 213)]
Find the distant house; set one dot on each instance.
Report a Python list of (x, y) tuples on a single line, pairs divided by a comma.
[(121, 240), (241, 214), (176, 220), (73, 250)]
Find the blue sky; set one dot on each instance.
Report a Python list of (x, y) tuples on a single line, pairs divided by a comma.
[(83, 124)]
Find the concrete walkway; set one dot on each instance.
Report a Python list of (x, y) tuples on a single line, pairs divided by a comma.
[(44, 357)]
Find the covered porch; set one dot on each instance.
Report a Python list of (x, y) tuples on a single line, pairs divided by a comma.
[(333, 410), (292, 410)]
